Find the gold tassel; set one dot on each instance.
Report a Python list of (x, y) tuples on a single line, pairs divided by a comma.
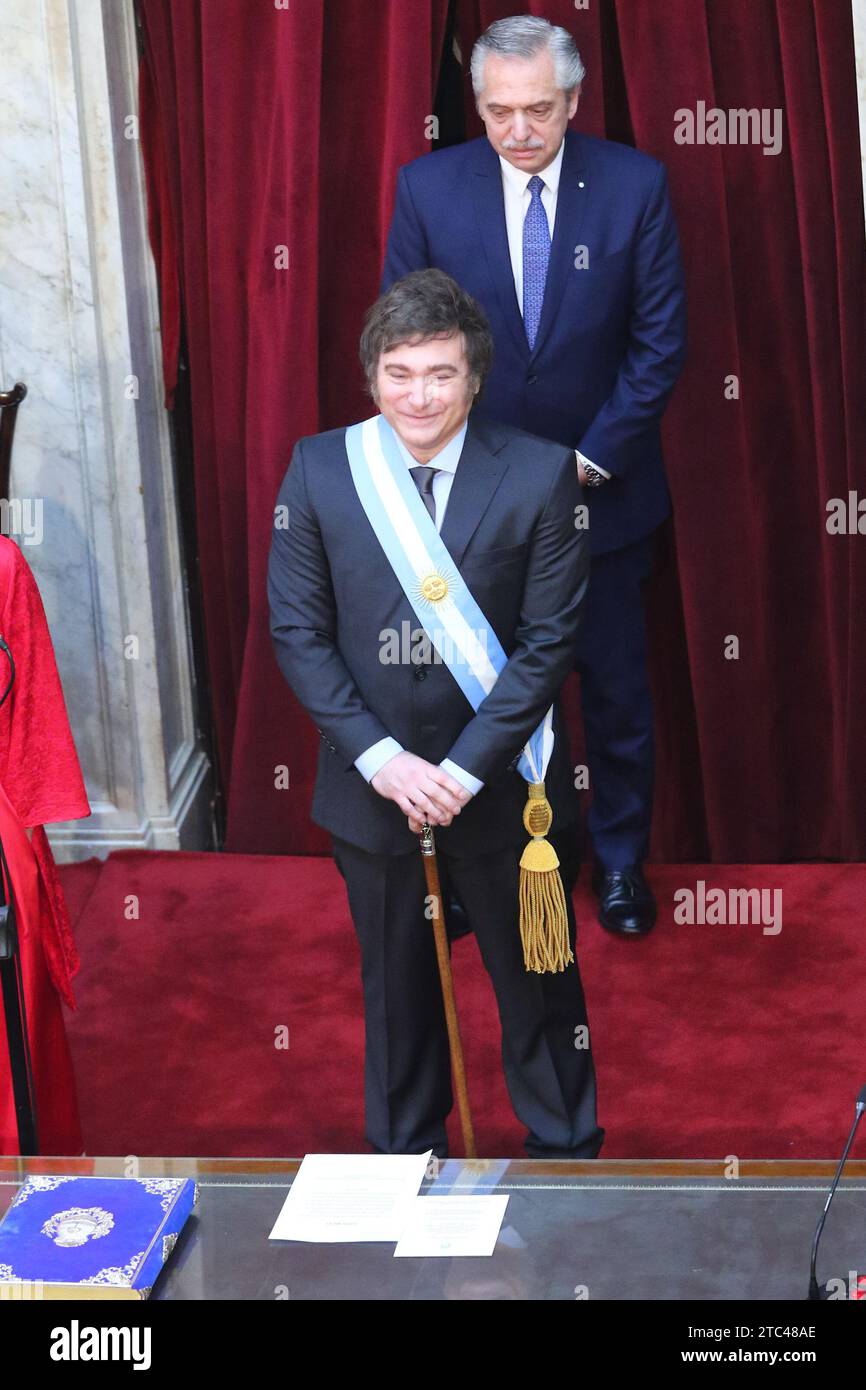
[(543, 916)]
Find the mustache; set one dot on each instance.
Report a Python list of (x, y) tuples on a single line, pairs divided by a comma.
[(509, 144)]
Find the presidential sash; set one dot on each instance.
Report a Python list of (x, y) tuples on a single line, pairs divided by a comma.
[(468, 646)]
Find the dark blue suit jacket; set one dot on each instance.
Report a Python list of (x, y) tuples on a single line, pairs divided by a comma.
[(611, 340)]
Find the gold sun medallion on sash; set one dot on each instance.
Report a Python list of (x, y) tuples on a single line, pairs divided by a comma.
[(433, 587)]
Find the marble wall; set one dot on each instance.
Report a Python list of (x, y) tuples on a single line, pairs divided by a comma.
[(92, 455)]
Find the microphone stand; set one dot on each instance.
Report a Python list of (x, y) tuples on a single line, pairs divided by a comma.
[(20, 1062), (817, 1291)]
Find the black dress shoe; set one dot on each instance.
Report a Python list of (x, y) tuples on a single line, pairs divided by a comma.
[(625, 904), (573, 1155), (457, 924)]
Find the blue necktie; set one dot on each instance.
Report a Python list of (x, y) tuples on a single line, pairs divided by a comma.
[(536, 254)]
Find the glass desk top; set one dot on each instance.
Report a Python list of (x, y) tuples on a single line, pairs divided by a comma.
[(601, 1229)]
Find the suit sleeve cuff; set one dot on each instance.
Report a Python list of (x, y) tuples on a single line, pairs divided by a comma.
[(581, 458), (466, 779), (375, 757)]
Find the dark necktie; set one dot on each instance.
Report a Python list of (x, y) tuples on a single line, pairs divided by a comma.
[(422, 477)]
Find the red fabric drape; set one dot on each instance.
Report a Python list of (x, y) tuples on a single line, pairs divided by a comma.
[(40, 782), (285, 127), (39, 768)]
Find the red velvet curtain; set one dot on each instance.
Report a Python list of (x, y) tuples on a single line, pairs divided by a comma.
[(776, 271), (265, 128), (282, 130)]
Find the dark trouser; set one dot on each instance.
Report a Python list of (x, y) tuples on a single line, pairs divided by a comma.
[(617, 707), (550, 1075)]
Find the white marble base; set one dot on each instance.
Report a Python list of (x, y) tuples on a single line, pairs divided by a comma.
[(79, 324)]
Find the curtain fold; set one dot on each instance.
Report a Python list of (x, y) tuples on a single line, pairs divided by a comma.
[(266, 128), (769, 241), (284, 129)]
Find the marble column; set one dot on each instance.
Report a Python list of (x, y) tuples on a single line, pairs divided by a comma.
[(92, 462)]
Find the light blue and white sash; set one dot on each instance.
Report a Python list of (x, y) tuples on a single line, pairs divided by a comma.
[(428, 576)]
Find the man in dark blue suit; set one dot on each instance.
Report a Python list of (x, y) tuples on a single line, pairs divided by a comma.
[(570, 246)]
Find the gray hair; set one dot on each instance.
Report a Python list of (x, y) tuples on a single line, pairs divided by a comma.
[(522, 36)]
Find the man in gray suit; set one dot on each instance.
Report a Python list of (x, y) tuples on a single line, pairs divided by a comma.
[(401, 742)]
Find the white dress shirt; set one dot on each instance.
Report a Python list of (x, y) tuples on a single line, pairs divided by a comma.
[(517, 197), (515, 190), (375, 757)]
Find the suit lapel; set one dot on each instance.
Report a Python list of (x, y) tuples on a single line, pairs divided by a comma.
[(493, 235), (571, 203), (479, 473)]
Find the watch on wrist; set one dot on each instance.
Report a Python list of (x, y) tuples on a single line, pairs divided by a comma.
[(593, 477)]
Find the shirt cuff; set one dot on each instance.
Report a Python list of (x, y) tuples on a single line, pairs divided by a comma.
[(376, 756), (581, 458), (472, 784)]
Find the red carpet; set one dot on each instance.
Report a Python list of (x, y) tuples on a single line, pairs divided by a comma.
[(709, 1039)]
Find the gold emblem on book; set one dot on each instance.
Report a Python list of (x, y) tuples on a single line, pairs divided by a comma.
[(77, 1225)]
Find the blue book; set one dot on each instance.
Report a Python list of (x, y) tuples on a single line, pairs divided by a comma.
[(75, 1238)]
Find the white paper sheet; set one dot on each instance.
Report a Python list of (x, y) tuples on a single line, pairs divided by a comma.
[(351, 1197), (453, 1225)]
